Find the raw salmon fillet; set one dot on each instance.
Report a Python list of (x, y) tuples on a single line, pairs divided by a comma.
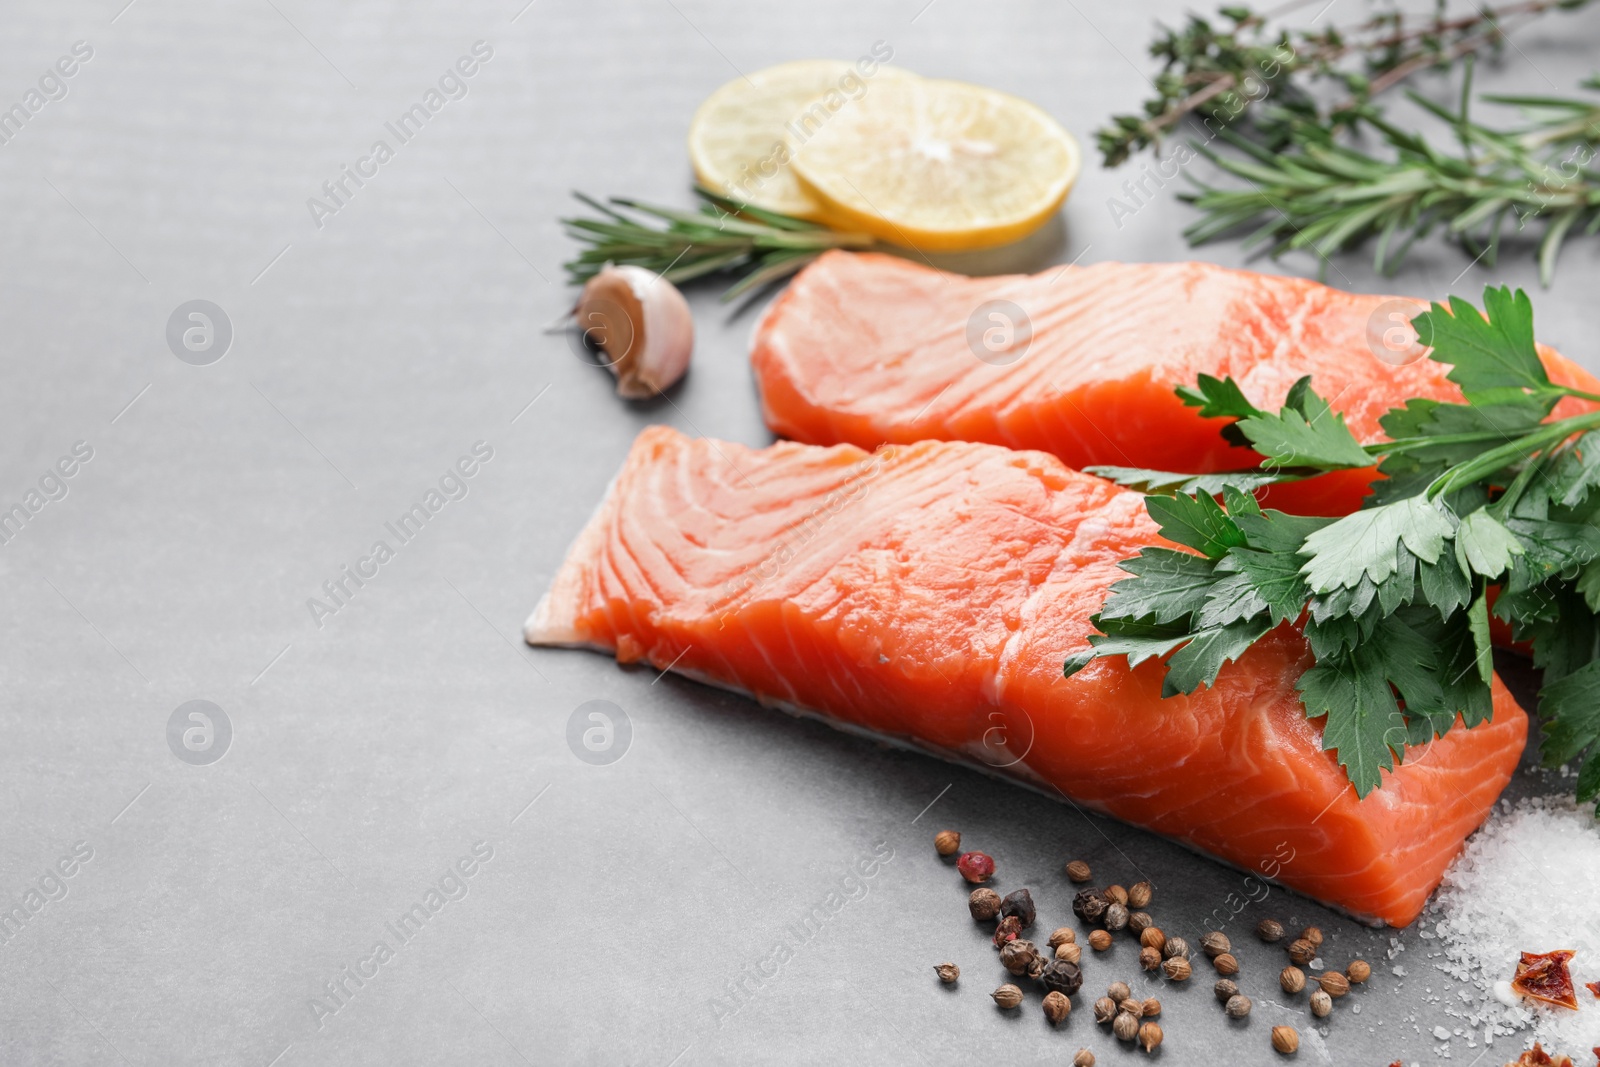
[(864, 348), (929, 593)]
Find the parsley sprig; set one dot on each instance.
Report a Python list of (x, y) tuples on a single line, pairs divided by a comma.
[(1486, 500)]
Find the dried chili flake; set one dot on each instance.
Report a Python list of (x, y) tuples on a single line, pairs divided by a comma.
[(1594, 987), (1543, 976), (1538, 1057)]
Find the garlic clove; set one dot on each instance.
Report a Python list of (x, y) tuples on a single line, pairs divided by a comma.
[(643, 325)]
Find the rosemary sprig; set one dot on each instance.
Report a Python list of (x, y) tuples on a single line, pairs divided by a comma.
[(1246, 71), (1323, 196), (723, 237)]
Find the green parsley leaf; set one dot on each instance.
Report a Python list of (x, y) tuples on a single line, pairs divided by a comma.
[(1478, 621), (1487, 356), (1484, 545), (1151, 481), (1273, 579), (1137, 639), (1167, 585), (1572, 709), (1366, 543), (1218, 398), (1197, 663), (1362, 717), (1306, 433), (1196, 521), (1578, 471)]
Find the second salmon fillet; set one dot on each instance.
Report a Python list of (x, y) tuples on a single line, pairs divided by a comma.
[(929, 594), (864, 349)]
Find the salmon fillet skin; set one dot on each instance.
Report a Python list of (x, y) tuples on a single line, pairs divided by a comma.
[(927, 594), (866, 348)]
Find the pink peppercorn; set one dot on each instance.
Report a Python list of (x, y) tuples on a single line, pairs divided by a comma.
[(975, 866)]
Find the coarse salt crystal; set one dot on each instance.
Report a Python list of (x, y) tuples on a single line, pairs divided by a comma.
[(1523, 883)]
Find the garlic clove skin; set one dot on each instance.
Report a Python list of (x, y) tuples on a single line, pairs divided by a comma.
[(642, 323)]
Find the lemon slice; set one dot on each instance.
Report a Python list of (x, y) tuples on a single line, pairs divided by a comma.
[(743, 136), (939, 166)]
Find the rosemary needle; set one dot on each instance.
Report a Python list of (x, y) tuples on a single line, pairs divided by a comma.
[(723, 237)]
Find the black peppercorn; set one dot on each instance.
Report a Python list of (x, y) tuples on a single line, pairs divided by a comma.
[(1020, 904), (1089, 905), (1061, 976)]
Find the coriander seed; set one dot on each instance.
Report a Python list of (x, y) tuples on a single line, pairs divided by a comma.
[(1099, 940), (1007, 996), (1152, 1007), (1152, 937), (947, 842), (1225, 989), (1084, 1058), (1334, 984), (1215, 944), (1133, 1006), (1302, 951), (1226, 964), (1358, 971), (1321, 1004), (1292, 979), (1116, 917), (984, 904), (1062, 935), (947, 972), (1117, 895), (1269, 930), (1312, 934), (1140, 921), (1079, 871), (1177, 969), (1285, 1040), (1149, 958), (1139, 895), (1118, 991), (1069, 952), (1104, 1009), (1056, 1007), (1175, 947), (1125, 1026), (1238, 1006), (1149, 1036)]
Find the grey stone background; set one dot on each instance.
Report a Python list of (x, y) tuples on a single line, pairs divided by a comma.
[(618, 905)]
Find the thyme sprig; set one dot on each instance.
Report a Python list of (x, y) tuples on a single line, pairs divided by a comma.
[(723, 237), (1246, 70)]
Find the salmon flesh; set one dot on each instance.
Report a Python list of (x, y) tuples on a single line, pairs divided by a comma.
[(928, 594), (1081, 362)]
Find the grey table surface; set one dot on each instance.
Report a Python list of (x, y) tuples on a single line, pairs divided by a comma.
[(626, 913)]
